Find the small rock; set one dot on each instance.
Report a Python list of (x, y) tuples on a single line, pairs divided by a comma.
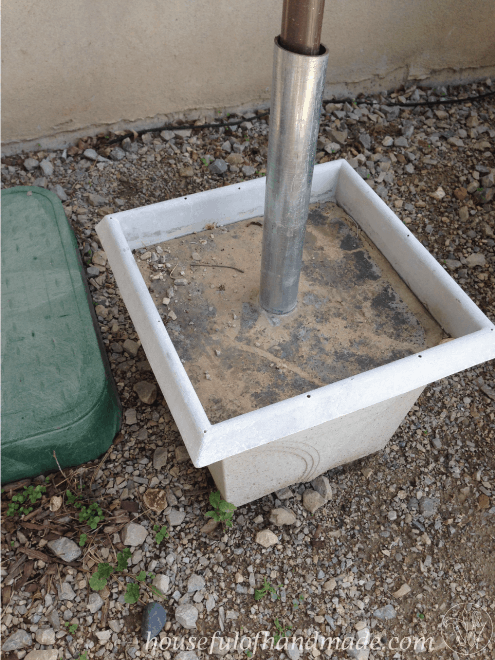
[(210, 526), (186, 616), (403, 591), (332, 147), (103, 635), (387, 141), (195, 583), (175, 517), (322, 486), (117, 154), (90, 154), (476, 259), (439, 193), (96, 200), (134, 534), (46, 167), (180, 281), (293, 651), (181, 454), (30, 164), (47, 654), (65, 591), (452, 264), (45, 636), (401, 142), (130, 416), (312, 500), (338, 136), (155, 499), (247, 170), (54, 619), (219, 166), (186, 655), (65, 548), (464, 213), (234, 159), (284, 494), (167, 135), (365, 140), (266, 538), (187, 171), (59, 191), (226, 146), (196, 257), (460, 193), (146, 391), (153, 620), (160, 458), (282, 516), (162, 583), (385, 613), (19, 640), (130, 347), (95, 602), (183, 132), (330, 585), (428, 506)]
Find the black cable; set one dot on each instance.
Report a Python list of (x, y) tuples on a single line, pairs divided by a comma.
[(236, 122)]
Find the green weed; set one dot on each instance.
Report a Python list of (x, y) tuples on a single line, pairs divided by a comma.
[(222, 511)]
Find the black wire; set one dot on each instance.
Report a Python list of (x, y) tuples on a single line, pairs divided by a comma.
[(236, 122)]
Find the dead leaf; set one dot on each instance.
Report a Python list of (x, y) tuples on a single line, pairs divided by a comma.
[(55, 503), (403, 591), (155, 499), (484, 501)]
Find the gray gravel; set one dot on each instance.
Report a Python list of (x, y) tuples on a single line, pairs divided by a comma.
[(415, 519)]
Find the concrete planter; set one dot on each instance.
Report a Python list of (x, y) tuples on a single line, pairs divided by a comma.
[(297, 439)]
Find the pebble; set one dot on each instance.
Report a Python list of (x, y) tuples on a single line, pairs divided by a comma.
[(247, 170), (160, 458), (91, 154), (428, 506), (134, 534), (45, 636), (387, 141), (117, 154), (322, 486), (175, 517), (476, 259), (266, 538), (65, 591), (312, 500), (131, 347), (153, 619), (282, 516), (219, 166), (96, 200), (403, 591), (95, 602), (186, 616), (195, 583), (186, 655), (59, 191), (19, 640), (385, 613), (65, 548), (46, 167), (47, 654), (31, 164), (162, 583), (293, 651), (146, 392)]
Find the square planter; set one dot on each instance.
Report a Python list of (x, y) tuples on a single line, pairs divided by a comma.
[(299, 438)]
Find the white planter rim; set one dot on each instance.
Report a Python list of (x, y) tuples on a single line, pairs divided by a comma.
[(473, 333)]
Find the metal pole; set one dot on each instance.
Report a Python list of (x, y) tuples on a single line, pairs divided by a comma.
[(297, 90)]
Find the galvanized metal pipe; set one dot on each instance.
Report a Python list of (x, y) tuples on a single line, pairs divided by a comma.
[(297, 91)]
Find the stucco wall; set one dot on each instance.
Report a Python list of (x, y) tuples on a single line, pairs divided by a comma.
[(72, 67)]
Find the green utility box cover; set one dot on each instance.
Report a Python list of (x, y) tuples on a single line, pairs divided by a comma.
[(57, 389)]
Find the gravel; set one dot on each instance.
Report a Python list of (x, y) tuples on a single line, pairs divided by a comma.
[(408, 531)]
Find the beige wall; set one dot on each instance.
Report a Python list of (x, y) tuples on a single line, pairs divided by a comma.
[(71, 67)]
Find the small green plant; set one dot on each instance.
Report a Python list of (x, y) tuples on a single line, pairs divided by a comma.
[(298, 602), (248, 653), (267, 588), (206, 161), (31, 494), (83, 656), (222, 511), (71, 627), (281, 632), (82, 540), (99, 579), (92, 515), (12, 543), (161, 533), (420, 615)]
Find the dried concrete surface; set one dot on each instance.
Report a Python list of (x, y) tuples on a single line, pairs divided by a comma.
[(354, 313)]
